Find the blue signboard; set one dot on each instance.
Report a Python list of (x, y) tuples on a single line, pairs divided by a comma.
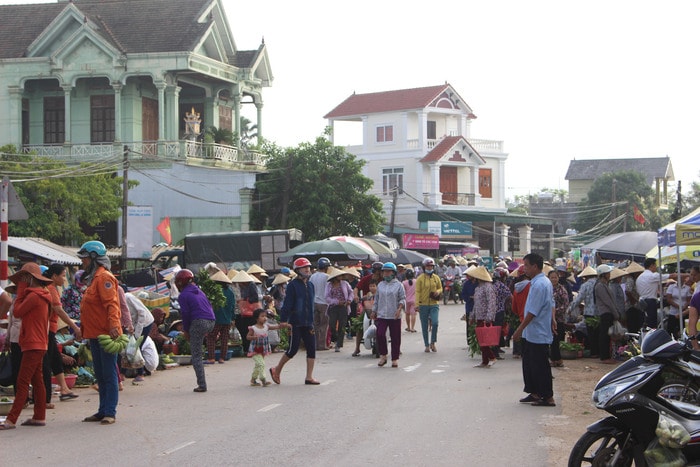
[(461, 229)]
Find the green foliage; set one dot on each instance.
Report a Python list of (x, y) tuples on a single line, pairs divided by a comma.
[(573, 346), (183, 345), (211, 289), (60, 206), (219, 135), (474, 348), (318, 188), (691, 200), (630, 189)]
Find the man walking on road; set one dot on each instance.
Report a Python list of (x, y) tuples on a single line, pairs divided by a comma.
[(536, 331)]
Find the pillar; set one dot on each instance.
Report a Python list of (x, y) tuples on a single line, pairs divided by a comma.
[(258, 108), (160, 86), (525, 237), (117, 111), (422, 131), (66, 98), (15, 116), (237, 122), (434, 188), (246, 199), (503, 234), (172, 100)]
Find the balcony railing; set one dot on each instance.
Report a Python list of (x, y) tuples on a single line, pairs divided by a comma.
[(194, 152), (453, 199)]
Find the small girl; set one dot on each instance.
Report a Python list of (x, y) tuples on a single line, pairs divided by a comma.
[(367, 304), (409, 286), (260, 345)]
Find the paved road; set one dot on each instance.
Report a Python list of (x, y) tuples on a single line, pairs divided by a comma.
[(436, 409)]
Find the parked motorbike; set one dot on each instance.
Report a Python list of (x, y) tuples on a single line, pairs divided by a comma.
[(644, 395), (449, 291)]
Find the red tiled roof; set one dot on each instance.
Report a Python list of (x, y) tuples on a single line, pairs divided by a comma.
[(387, 101), (447, 143)]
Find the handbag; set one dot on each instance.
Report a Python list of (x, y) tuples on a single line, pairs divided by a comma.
[(488, 336), (246, 308), (5, 369)]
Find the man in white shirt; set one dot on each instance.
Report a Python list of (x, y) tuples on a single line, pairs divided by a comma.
[(678, 298), (648, 286), (319, 280)]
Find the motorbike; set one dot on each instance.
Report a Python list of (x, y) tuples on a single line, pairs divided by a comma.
[(449, 290), (643, 395)]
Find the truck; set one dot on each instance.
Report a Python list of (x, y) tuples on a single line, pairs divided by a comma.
[(229, 250)]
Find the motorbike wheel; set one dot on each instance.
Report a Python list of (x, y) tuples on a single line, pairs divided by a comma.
[(679, 392), (445, 297), (599, 449)]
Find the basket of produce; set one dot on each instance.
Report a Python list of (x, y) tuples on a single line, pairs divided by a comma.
[(5, 405), (154, 300)]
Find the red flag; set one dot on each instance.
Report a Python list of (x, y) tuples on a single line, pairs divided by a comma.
[(164, 229), (638, 216)]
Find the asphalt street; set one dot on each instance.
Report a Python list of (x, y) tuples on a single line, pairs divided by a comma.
[(435, 409)]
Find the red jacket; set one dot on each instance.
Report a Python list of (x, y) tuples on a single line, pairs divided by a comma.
[(519, 299), (32, 307)]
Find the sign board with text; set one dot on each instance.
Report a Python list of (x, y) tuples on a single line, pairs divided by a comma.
[(450, 228), (421, 241)]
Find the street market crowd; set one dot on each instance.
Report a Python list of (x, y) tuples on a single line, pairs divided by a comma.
[(56, 325)]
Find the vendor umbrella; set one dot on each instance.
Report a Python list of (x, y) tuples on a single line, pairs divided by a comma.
[(403, 256), (367, 243), (334, 250)]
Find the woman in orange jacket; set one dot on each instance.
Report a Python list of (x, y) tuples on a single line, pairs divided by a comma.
[(32, 307)]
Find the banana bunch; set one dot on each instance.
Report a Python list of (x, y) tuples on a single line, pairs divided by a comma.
[(113, 346)]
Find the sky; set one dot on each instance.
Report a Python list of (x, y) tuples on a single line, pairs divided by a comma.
[(553, 80)]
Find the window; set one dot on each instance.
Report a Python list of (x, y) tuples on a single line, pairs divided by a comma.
[(54, 120), (102, 119), (485, 183), (225, 118), (392, 178), (432, 129), (385, 134)]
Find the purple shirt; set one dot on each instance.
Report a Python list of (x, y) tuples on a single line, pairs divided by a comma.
[(194, 305)]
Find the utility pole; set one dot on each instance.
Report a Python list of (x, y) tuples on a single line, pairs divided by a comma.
[(393, 210), (125, 204), (614, 198)]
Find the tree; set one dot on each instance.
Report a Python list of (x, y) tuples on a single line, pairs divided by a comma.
[(61, 199), (610, 204), (318, 188), (692, 199)]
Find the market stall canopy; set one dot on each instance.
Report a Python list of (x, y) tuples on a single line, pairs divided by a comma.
[(686, 230), (404, 256), (44, 249), (373, 246), (334, 250), (624, 246)]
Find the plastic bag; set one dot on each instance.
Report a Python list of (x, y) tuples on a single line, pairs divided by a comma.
[(657, 454), (616, 330), (671, 434), (369, 336), (133, 354), (150, 354)]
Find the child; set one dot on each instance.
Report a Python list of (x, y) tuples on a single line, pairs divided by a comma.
[(409, 286), (260, 345), (367, 304)]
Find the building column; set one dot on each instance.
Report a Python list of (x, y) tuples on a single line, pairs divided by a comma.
[(404, 129), (366, 134), (246, 199), (117, 111), (422, 131), (503, 230), (258, 108), (434, 188), (463, 127), (474, 181), (160, 86), (172, 102), (525, 234), (237, 121), (67, 89), (15, 116)]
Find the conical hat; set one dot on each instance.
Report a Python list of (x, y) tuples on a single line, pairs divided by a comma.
[(242, 277), (352, 271), (255, 269), (588, 272), (219, 276), (617, 272), (634, 267), (546, 269), (231, 273), (280, 279), (480, 273), (337, 272)]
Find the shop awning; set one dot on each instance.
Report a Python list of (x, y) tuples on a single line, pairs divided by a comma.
[(43, 249)]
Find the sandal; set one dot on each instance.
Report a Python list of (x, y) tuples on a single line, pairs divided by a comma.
[(93, 418), (67, 397), (275, 376), (382, 361), (254, 383), (108, 421), (32, 422), (544, 403), (312, 381), (7, 426), (266, 383), (395, 364), (356, 353)]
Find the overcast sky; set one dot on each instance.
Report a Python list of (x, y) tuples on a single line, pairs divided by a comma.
[(554, 80)]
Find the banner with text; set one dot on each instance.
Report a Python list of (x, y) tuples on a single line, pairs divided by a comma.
[(139, 231), (421, 241)]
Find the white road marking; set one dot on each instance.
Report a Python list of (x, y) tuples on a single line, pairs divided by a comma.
[(437, 371), (411, 367), (177, 448), (269, 407), (326, 383)]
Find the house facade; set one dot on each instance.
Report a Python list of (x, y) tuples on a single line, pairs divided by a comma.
[(426, 166), (87, 81), (657, 171)]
